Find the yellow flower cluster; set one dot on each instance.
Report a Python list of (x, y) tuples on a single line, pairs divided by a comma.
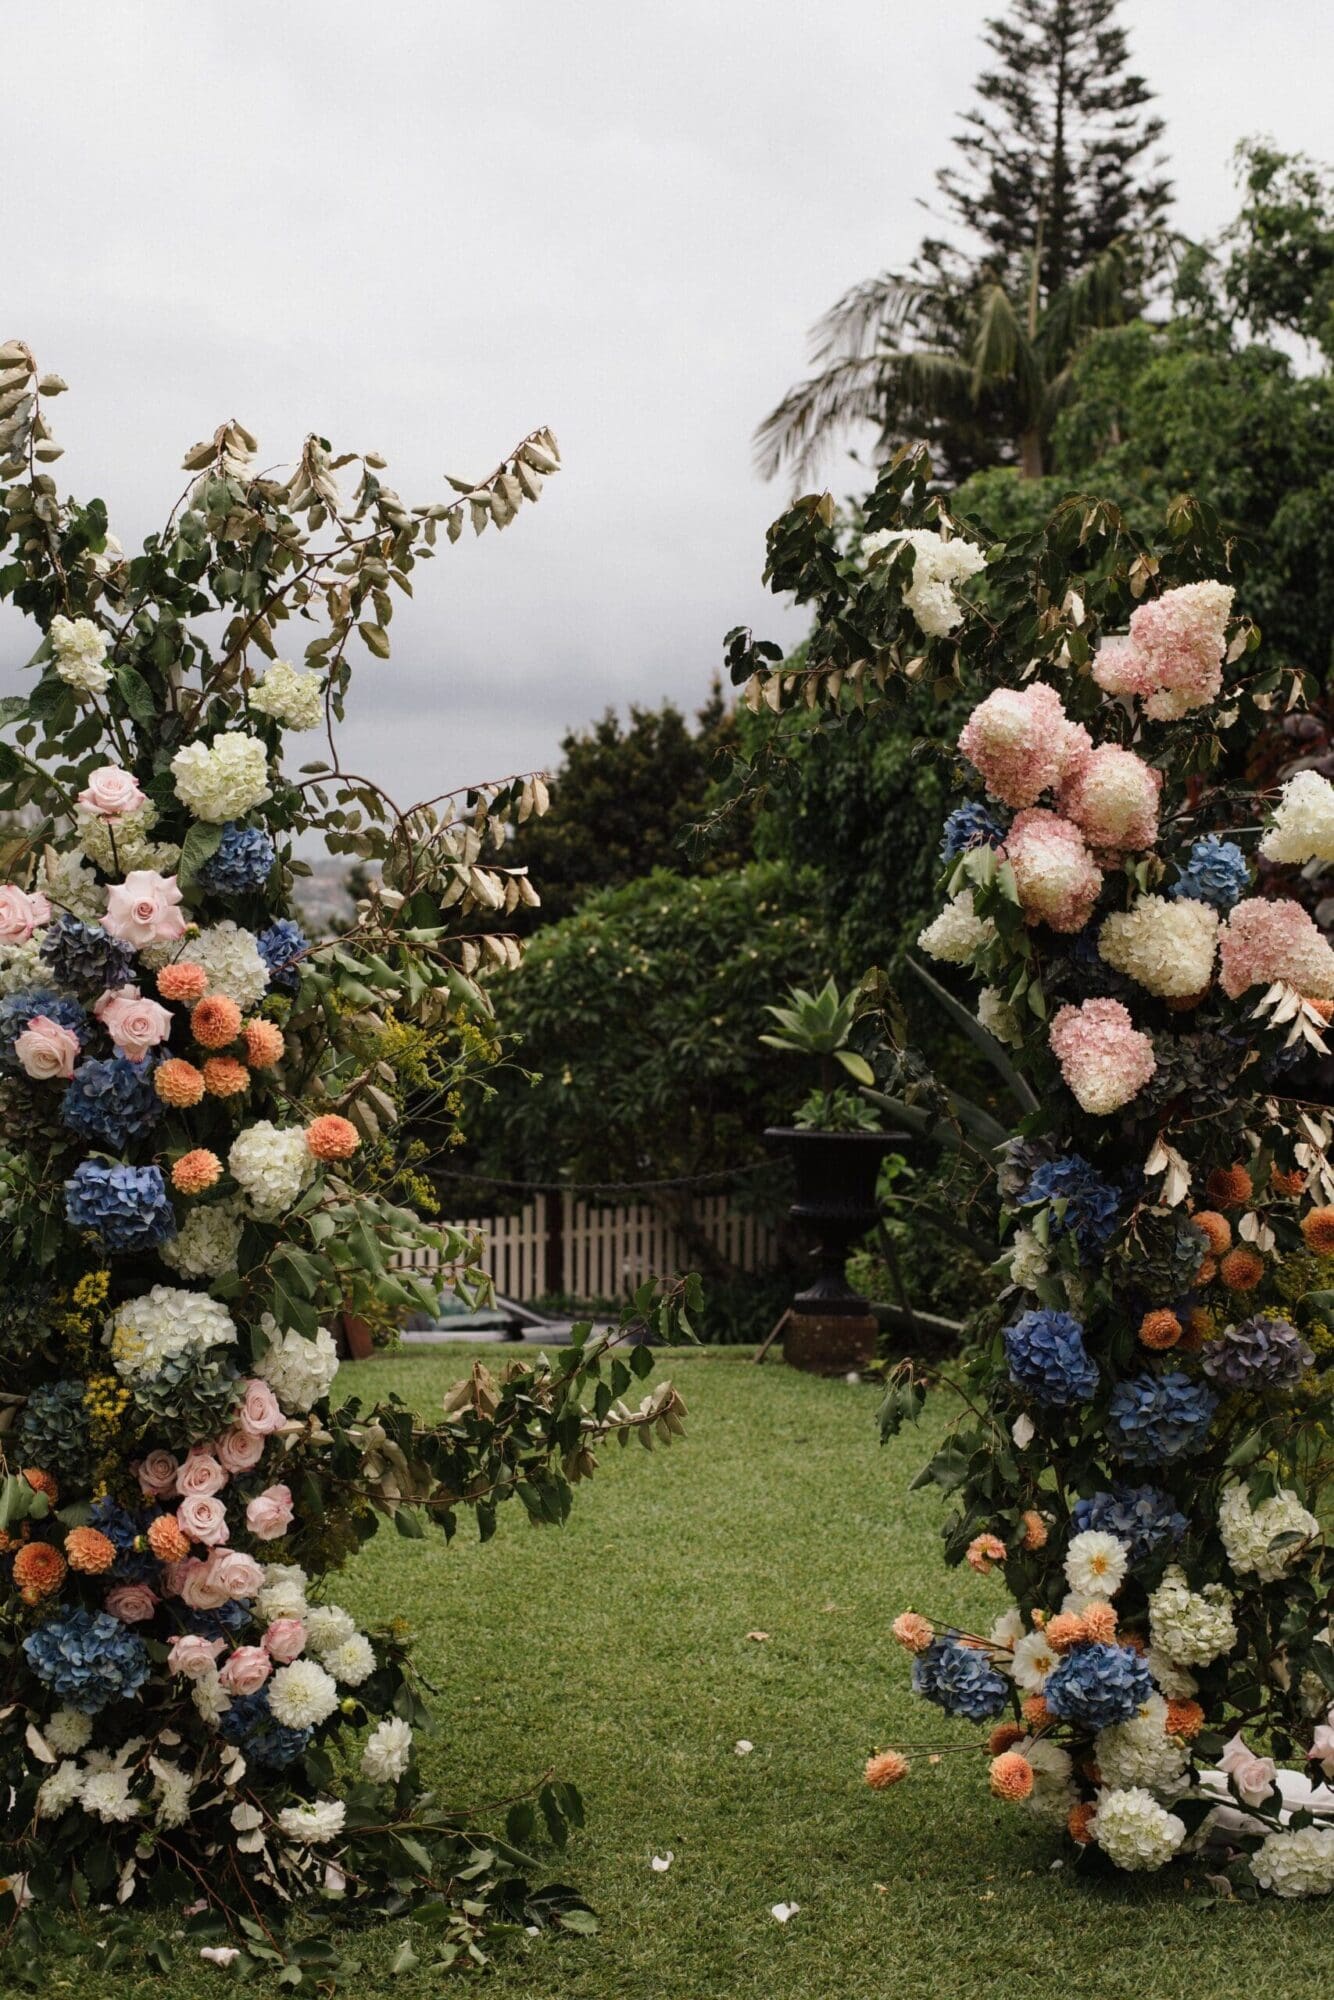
[(85, 1308), (106, 1401)]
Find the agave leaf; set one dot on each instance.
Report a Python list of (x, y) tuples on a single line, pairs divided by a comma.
[(928, 1125), (980, 1123), (977, 1034), (856, 1066)]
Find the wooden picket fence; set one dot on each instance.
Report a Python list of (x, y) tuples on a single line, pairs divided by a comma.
[(560, 1244)]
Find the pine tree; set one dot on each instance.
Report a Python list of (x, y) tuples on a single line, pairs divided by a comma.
[(1057, 208)]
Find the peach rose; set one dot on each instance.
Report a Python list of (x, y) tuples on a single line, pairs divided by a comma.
[(201, 1473), (239, 1451), (110, 792), (269, 1514), (201, 1587), (46, 1050), (21, 914), (134, 1024), (246, 1670), (284, 1640), (132, 1603), (144, 909), (193, 1656), (238, 1574), (203, 1519), (259, 1412), (156, 1474)]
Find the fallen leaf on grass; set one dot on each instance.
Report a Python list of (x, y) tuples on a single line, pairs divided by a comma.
[(743, 1746), (760, 1636)]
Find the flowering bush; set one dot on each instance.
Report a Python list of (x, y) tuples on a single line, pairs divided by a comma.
[(199, 1171), (1150, 1399)]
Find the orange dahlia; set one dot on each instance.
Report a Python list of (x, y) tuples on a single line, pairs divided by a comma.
[(1318, 1230), (183, 982), (1079, 1822), (1216, 1227), (1287, 1183), (42, 1482), (263, 1044), (885, 1770), (215, 1021), (178, 1083), (39, 1570), (1011, 1776), (1229, 1186), (1035, 1529), (1159, 1330), (913, 1631), (1065, 1630), (1099, 1621), (1242, 1269), (984, 1552), (1197, 1327), (332, 1137), (1036, 1712), (1183, 1718), (89, 1550), (166, 1539), (1004, 1737), (225, 1077), (196, 1171)]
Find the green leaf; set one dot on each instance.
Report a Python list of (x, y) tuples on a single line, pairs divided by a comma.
[(199, 846), (137, 696)]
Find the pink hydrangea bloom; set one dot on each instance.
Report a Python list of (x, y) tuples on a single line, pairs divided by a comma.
[(1057, 878), (1172, 657), (1264, 941), (1104, 1058), (1022, 744), (1113, 799)]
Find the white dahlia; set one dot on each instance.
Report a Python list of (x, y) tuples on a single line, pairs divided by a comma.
[(318, 1820), (1096, 1563), (106, 1795), (1033, 1661), (385, 1753), (351, 1662), (328, 1625), (302, 1695), (67, 1730), (1053, 1792), (59, 1792), (283, 1593)]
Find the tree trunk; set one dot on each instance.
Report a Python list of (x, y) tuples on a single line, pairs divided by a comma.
[(1030, 455)]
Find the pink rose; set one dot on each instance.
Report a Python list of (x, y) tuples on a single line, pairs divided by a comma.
[(238, 1574), (201, 1474), (46, 1050), (246, 1670), (174, 1575), (239, 1451), (1254, 1777), (134, 1024), (193, 1656), (111, 792), (259, 1413), (203, 1519), (144, 909), (21, 914), (201, 1586), (156, 1474), (1321, 1750), (269, 1515), (284, 1639), (131, 1603)]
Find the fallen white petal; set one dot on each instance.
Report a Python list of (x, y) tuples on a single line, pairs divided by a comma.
[(744, 1747), (784, 1910), (219, 1954), (662, 1862)]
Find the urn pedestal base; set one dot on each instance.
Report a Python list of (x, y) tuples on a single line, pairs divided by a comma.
[(830, 1343)]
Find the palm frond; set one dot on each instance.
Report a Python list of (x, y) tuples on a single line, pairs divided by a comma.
[(1095, 297), (797, 431), (870, 316)]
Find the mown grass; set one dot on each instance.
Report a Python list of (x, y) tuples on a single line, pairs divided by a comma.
[(616, 1652)]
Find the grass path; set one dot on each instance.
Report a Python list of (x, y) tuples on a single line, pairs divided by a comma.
[(616, 1650)]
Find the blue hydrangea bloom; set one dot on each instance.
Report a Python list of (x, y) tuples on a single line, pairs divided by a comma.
[(1215, 872), (959, 1679), (278, 946), (1091, 1203), (241, 862), (17, 1009), (970, 825), (1259, 1353), (1155, 1418), (111, 1101), (249, 1722), (127, 1208), (224, 1623), (85, 956), (1048, 1359), (1139, 1516), (123, 1529), (87, 1658), (1095, 1686)]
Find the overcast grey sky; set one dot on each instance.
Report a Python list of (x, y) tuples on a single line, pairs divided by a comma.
[(427, 227)]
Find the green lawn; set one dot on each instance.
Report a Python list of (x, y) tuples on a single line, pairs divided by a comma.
[(616, 1651)]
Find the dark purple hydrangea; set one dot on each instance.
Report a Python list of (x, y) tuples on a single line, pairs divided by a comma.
[(250, 1723), (126, 1208), (1095, 1686), (111, 1101), (960, 1679), (1259, 1353), (1048, 1359), (1155, 1418), (85, 957)]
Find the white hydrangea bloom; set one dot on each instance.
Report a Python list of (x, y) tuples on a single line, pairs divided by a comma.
[(299, 1371), (1191, 1627), (1296, 1864), (21, 965), (1173, 1680), (283, 1593), (1033, 1661), (1028, 1259), (998, 1017), (59, 1792), (1140, 1753), (1248, 1531), (224, 779), (1167, 945), (938, 566), (385, 1753), (352, 1662), (310, 1824), (290, 695), (1134, 1831), (328, 1625), (117, 846), (958, 933), (206, 1242), (230, 957), (1303, 825), (71, 883), (1096, 1563), (80, 649), (145, 1332), (1053, 1791), (67, 1730), (106, 1795), (302, 1695), (272, 1166)]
